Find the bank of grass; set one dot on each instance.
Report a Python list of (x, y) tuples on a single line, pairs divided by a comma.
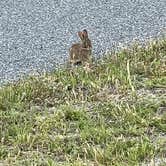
[(113, 113)]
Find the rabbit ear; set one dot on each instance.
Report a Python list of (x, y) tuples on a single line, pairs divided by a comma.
[(80, 34), (85, 32)]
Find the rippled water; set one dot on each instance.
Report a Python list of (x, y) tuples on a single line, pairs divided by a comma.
[(36, 34)]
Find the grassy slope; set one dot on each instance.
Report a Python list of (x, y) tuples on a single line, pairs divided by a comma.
[(111, 114)]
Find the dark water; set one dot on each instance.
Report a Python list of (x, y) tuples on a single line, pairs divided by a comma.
[(36, 34)]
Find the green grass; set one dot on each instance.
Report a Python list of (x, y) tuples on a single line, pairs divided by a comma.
[(111, 114)]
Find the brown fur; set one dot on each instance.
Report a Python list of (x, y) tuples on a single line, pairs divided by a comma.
[(81, 52)]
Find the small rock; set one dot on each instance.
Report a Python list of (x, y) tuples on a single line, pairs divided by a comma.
[(161, 110), (36, 108), (52, 109)]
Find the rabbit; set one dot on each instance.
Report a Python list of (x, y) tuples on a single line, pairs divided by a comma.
[(81, 52)]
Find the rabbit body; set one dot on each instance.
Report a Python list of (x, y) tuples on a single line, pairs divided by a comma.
[(81, 52)]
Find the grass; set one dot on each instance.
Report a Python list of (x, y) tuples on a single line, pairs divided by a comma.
[(113, 113)]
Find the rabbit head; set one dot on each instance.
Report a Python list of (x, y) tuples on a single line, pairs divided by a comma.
[(86, 42)]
